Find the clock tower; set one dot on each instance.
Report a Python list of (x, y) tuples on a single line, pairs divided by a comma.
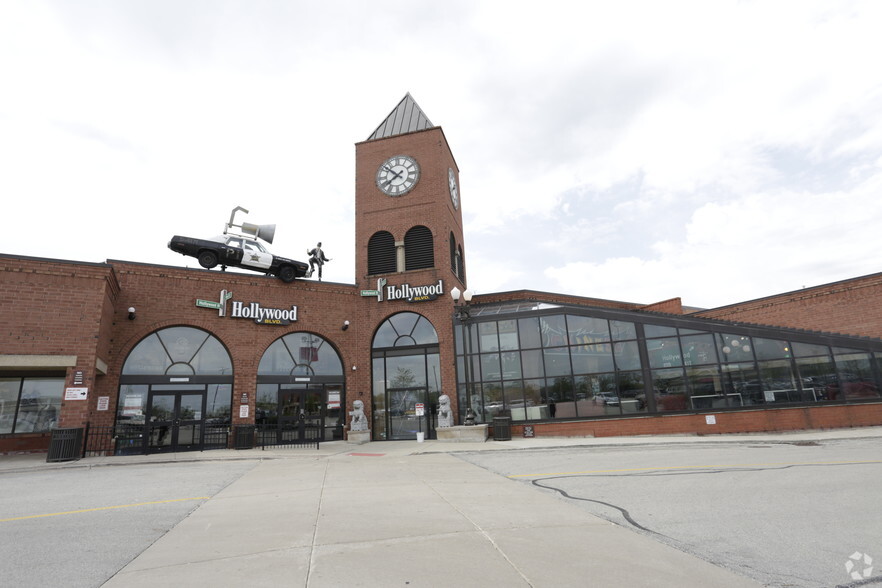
[(409, 256), (407, 203)]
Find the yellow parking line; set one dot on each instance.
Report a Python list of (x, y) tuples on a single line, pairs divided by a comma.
[(690, 467), (56, 514)]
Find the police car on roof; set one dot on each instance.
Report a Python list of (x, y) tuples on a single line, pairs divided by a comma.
[(242, 251)]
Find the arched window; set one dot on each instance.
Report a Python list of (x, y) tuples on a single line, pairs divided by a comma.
[(406, 371), (454, 267), (381, 253), (184, 351), (300, 354), (419, 249), (460, 264)]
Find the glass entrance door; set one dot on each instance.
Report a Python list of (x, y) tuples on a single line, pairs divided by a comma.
[(403, 407), (301, 414), (175, 421)]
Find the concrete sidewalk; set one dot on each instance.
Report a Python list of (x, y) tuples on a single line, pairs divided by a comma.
[(407, 514)]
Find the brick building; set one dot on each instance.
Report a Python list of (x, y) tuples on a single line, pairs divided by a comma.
[(161, 358)]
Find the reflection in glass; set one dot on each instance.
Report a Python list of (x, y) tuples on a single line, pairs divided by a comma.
[(818, 375), (704, 388), (669, 387), (508, 335), (557, 362), (621, 330), (740, 382), (627, 355), (698, 349), (597, 395), (808, 350), (9, 389), (528, 330), (664, 352), (584, 330), (631, 392), (531, 362), (592, 359), (554, 330), (487, 336), (734, 348), (855, 374), (490, 367), (494, 401), (39, 405), (650, 331), (778, 384), (511, 365), (771, 348)]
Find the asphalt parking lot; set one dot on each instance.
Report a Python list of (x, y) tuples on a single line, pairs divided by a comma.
[(784, 514), (77, 527)]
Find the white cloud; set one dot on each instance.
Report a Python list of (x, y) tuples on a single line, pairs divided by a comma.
[(620, 150)]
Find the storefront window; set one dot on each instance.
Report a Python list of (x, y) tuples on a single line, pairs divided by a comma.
[(528, 329), (627, 355), (487, 337), (622, 331), (632, 392), (557, 362), (740, 385), (698, 349), (855, 372), (592, 359), (584, 330), (734, 348), (664, 352), (651, 331), (588, 366), (30, 405), (818, 376), (771, 348), (508, 335), (778, 383)]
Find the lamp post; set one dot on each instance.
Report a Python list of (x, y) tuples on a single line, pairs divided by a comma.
[(463, 313)]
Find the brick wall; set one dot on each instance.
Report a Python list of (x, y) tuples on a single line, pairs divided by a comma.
[(752, 421), (850, 307), (54, 307)]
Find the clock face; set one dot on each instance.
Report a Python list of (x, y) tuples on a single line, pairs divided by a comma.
[(398, 175), (454, 191)]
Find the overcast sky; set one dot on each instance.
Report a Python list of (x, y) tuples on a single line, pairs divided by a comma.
[(637, 151)]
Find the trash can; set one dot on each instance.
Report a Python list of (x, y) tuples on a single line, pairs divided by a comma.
[(243, 438), (502, 428), (65, 445)]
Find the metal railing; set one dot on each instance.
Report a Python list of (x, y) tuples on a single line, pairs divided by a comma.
[(126, 439)]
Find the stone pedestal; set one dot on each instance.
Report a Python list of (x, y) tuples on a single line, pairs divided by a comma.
[(358, 437), (464, 434)]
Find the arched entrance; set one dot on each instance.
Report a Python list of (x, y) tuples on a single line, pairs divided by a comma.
[(406, 378), (175, 393), (300, 390)]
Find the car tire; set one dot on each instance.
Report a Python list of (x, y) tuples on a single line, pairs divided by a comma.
[(207, 259), (287, 273)]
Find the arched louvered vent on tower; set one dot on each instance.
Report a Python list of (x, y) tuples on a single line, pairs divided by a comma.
[(381, 253), (419, 250)]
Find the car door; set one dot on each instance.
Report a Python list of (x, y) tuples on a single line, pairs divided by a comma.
[(255, 256)]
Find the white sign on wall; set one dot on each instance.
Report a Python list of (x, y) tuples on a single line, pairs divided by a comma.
[(76, 393)]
